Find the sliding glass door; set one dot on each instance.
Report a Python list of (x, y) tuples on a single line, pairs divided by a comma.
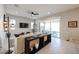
[(55, 29), (42, 26), (51, 26), (47, 27)]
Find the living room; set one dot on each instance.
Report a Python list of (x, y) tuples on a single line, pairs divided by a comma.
[(28, 18)]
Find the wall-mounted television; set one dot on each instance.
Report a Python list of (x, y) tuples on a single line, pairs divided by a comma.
[(23, 25)]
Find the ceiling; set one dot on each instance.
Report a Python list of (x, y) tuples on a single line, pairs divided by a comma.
[(43, 9)]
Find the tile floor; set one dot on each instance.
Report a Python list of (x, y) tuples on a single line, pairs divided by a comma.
[(58, 46)]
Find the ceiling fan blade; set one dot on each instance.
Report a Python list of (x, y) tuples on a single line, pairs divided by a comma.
[(35, 13)]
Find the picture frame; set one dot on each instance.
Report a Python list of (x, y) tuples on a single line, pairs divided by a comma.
[(72, 24)]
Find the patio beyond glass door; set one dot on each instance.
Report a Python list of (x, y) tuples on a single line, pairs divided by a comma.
[(52, 27), (42, 27), (47, 27), (55, 29)]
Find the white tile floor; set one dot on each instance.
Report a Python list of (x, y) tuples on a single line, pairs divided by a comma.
[(58, 46)]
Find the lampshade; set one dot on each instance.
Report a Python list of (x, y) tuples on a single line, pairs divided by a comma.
[(1, 24)]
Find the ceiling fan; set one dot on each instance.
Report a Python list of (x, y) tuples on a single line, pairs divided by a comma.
[(34, 13)]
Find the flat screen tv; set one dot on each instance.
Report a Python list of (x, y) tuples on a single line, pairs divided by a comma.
[(23, 25)]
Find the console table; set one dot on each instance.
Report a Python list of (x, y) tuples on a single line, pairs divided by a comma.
[(42, 43)]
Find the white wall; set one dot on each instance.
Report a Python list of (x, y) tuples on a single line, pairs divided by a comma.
[(3, 38), (67, 33), (20, 20)]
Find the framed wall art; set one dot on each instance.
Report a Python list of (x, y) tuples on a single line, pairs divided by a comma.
[(72, 24)]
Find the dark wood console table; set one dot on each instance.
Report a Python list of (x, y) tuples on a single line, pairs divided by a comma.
[(42, 43)]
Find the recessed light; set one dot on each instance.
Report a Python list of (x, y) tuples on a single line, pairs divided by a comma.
[(48, 12)]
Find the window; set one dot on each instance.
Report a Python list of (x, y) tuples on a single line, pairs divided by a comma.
[(42, 27), (32, 25), (47, 27), (12, 24)]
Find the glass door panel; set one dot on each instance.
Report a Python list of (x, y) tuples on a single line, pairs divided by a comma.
[(42, 27), (55, 29), (47, 27)]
